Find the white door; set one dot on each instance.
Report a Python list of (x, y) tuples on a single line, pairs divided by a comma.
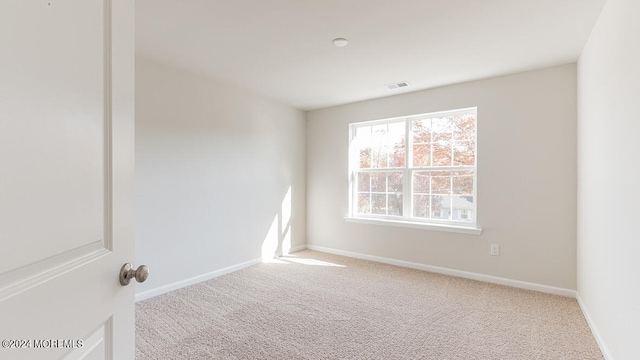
[(66, 178)]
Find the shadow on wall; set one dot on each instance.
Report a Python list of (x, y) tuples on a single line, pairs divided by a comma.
[(279, 232)]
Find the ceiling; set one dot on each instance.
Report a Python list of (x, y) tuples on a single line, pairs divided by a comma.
[(282, 49)]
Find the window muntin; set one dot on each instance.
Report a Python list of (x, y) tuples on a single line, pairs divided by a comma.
[(418, 168)]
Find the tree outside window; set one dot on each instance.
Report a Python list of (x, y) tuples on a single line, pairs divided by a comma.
[(418, 168)]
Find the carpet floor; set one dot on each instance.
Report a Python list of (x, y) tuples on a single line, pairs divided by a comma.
[(312, 305)]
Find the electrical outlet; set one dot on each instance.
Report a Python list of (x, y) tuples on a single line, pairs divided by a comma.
[(495, 249)]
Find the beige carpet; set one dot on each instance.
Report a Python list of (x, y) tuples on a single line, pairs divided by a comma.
[(312, 305)]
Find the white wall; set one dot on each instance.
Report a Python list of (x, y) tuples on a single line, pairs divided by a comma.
[(608, 178), (213, 167), (526, 179)]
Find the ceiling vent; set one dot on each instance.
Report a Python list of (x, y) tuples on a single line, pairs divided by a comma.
[(397, 85)]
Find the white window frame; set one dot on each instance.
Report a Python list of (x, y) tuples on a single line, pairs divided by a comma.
[(406, 220)]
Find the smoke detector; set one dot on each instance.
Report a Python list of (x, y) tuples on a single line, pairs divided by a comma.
[(340, 42)]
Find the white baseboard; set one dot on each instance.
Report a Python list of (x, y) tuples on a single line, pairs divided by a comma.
[(194, 280), (446, 271), (596, 334)]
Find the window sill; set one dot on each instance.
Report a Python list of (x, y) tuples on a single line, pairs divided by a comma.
[(417, 225)]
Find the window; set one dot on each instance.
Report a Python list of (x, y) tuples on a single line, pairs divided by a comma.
[(420, 168)]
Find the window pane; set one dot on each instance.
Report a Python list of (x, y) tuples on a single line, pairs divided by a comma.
[(396, 133), (421, 131), (363, 144), (442, 135), (421, 207), (440, 182), (379, 135), (422, 155), (421, 180), (395, 145), (364, 205), (464, 127), (379, 204), (463, 208), (364, 184), (363, 136), (378, 182), (395, 182), (442, 129), (379, 157), (442, 153), (464, 153), (441, 204), (397, 155), (463, 182), (365, 158), (395, 204)]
